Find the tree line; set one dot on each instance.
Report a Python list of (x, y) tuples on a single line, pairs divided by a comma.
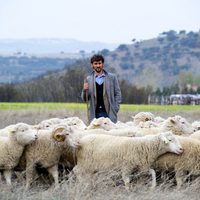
[(67, 86)]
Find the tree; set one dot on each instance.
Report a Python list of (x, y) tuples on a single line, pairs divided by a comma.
[(185, 78), (105, 52)]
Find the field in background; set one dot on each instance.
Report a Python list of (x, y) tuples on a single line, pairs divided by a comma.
[(82, 106), (33, 113)]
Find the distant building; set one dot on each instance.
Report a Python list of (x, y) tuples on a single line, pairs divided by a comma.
[(184, 99)]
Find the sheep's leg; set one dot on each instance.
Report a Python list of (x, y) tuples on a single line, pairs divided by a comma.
[(54, 172), (7, 174), (79, 173), (153, 175), (30, 174), (179, 178), (126, 178)]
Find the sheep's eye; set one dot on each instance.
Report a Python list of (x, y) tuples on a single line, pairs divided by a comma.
[(74, 124), (105, 122), (183, 122), (23, 130)]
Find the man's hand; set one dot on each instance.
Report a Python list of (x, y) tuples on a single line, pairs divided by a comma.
[(85, 86)]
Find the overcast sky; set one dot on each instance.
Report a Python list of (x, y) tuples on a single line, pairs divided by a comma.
[(111, 21)]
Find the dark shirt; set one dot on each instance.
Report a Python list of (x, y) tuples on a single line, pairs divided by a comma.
[(100, 104)]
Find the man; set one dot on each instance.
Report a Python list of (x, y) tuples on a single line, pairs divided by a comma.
[(102, 91)]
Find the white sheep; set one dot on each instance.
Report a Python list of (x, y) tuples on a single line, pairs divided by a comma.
[(12, 146), (67, 157), (48, 124), (148, 124), (75, 123), (158, 119), (5, 131), (102, 122), (177, 124), (196, 125), (142, 117), (105, 153), (120, 124), (188, 161), (47, 150), (195, 135)]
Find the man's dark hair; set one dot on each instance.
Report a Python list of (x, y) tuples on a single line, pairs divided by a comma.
[(97, 57)]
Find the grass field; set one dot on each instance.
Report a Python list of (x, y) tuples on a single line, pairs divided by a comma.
[(35, 112), (82, 106), (103, 187)]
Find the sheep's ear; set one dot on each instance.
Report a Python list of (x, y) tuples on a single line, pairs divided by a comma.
[(172, 121), (58, 135), (12, 128), (96, 124), (146, 119), (164, 139)]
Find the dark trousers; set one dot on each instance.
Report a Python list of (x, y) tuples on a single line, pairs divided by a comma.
[(101, 114)]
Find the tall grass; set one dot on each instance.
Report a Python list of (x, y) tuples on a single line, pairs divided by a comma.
[(99, 187)]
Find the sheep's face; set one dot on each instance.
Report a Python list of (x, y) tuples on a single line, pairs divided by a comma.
[(46, 124), (103, 123), (75, 123), (179, 125), (64, 135), (23, 133), (143, 117), (196, 125), (171, 142)]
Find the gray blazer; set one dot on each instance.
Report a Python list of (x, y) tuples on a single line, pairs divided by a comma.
[(111, 95)]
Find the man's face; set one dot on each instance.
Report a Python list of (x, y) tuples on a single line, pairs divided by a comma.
[(98, 66)]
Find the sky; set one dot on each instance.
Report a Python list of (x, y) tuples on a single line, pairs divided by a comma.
[(110, 21)]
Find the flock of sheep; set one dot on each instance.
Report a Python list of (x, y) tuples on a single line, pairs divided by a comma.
[(147, 144)]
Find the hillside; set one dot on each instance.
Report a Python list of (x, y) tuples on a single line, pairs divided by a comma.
[(24, 59), (158, 62), (15, 69), (163, 61)]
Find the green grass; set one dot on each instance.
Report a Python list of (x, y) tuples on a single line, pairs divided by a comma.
[(82, 106), (167, 108), (53, 106)]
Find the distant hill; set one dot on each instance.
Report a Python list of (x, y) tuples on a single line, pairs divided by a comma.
[(50, 46), (24, 59), (160, 61), (168, 59), (16, 69)]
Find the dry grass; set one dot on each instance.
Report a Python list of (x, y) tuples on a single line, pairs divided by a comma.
[(100, 186)]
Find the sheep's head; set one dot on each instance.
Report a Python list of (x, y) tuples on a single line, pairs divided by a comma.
[(75, 123), (178, 125), (64, 135), (171, 142), (142, 117), (103, 123), (22, 133), (95, 123)]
